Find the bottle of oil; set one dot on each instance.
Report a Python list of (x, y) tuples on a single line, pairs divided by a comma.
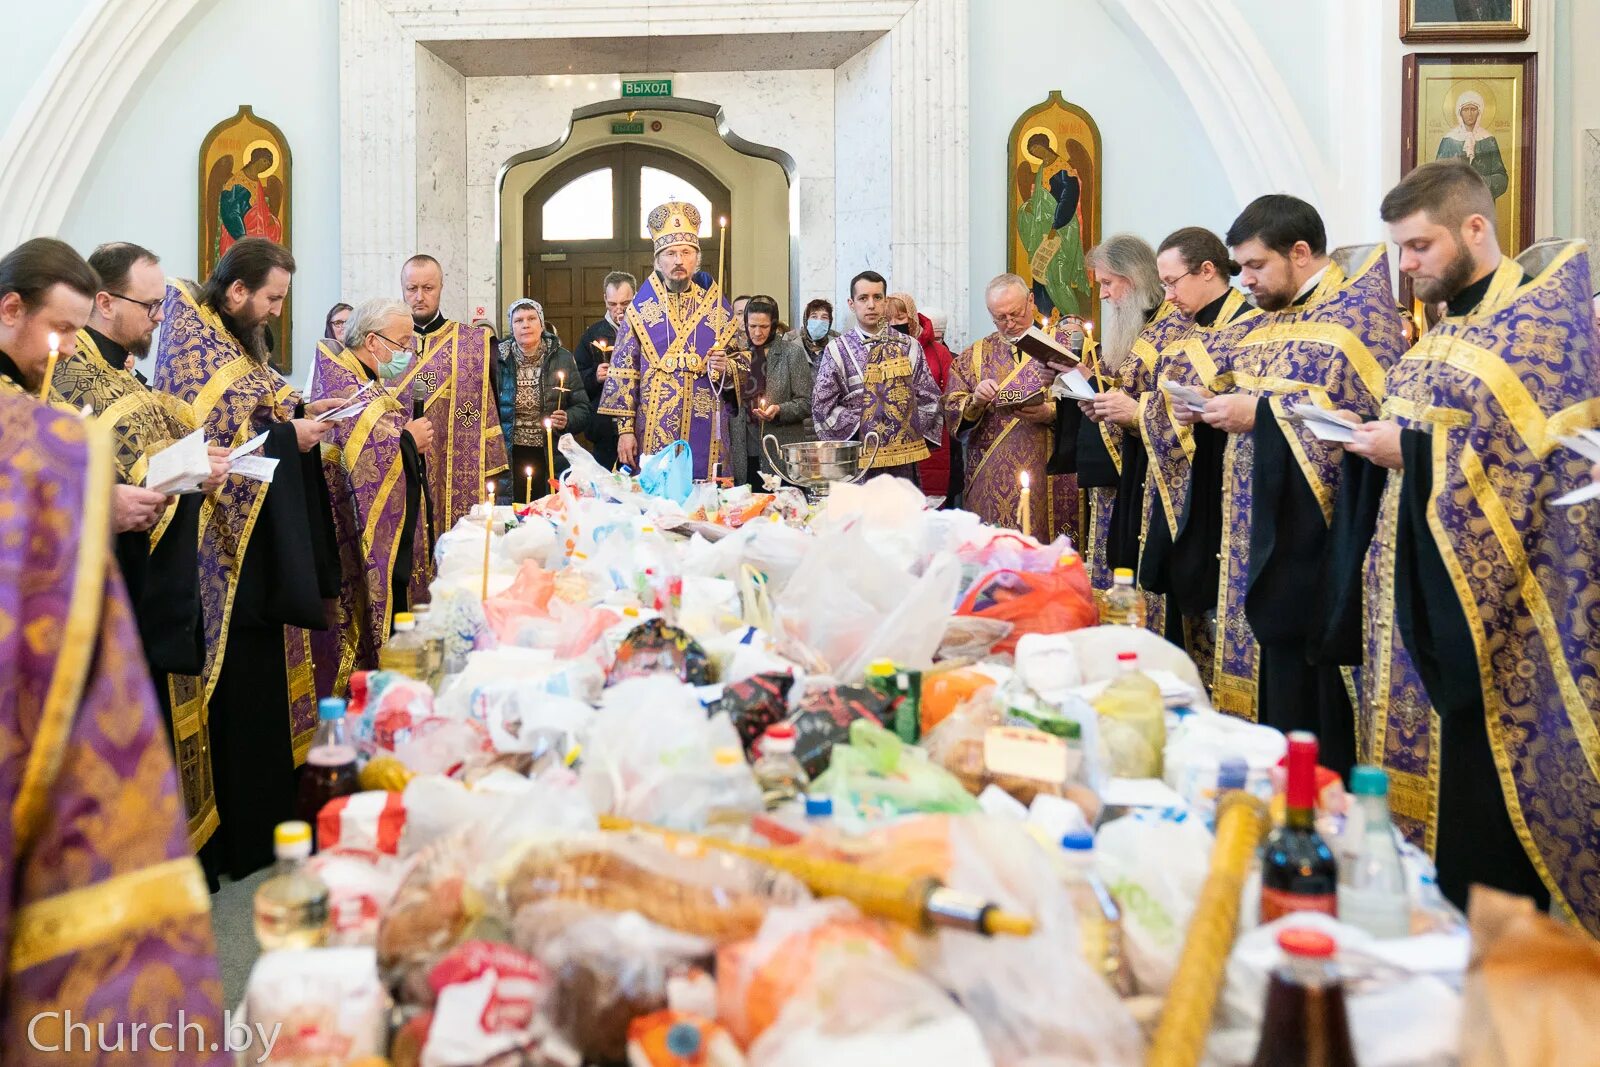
[(291, 907), (406, 651), (432, 639), (1124, 603), (1099, 918), (778, 771)]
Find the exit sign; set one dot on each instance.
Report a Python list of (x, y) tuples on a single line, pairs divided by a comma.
[(647, 87), (627, 127)]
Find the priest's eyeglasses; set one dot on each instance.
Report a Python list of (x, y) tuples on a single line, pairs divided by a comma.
[(152, 308), (408, 345), (1172, 286)]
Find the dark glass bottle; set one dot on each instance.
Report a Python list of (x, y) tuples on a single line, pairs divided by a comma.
[(1298, 871), (1305, 1023)]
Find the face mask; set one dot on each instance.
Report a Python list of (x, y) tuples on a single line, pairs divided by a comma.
[(903, 327), (816, 329), (396, 365)]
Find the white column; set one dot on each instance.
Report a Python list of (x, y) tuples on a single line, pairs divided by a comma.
[(378, 181), (929, 139)]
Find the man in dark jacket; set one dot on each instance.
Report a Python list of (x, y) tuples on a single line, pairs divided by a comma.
[(593, 353)]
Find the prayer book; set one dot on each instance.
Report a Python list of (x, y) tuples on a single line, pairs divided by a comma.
[(181, 467)]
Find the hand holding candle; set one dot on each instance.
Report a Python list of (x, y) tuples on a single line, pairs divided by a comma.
[(50, 366)]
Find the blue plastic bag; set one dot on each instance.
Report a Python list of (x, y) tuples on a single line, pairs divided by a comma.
[(669, 473)]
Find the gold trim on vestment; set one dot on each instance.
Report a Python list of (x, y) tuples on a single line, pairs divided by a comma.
[(1486, 673), (119, 907), (79, 638)]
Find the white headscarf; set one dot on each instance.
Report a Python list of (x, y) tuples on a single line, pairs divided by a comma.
[(1469, 135)]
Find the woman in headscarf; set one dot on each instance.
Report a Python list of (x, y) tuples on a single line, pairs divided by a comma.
[(537, 379), (1472, 142)]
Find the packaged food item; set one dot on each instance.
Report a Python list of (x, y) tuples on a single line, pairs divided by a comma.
[(438, 745), (325, 1006), (373, 820), (608, 969), (655, 647), (944, 691), (488, 1003), (755, 704), (676, 1039), (716, 896), (431, 913), (824, 718), (878, 776), (361, 885)]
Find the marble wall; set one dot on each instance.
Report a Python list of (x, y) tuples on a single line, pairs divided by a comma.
[(444, 228), (863, 233)]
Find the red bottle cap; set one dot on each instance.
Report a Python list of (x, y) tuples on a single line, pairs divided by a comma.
[(783, 731), (1310, 944), (1301, 791), (1124, 657)]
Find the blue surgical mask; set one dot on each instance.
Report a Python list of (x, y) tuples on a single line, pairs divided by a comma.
[(396, 365), (817, 329)]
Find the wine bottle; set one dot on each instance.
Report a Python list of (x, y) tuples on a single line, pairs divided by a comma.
[(1298, 870)]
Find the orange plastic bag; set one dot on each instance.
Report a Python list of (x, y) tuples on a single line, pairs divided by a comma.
[(1052, 602), (945, 691)]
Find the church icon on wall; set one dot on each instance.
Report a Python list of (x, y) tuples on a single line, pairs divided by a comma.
[(245, 191), (1053, 218)]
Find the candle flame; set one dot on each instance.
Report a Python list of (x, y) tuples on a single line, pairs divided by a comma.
[(722, 221), (547, 424), (529, 472), (55, 343), (1089, 327), (1023, 477)]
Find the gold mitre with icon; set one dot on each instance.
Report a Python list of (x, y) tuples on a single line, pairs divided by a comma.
[(675, 223)]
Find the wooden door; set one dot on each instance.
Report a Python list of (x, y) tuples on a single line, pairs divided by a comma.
[(584, 220)]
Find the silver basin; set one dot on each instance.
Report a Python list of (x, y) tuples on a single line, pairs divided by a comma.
[(811, 465)]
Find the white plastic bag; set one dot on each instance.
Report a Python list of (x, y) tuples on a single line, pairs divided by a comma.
[(1154, 863)]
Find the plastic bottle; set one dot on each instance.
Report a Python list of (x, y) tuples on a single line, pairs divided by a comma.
[(291, 906), (330, 771), (1099, 918), (433, 641), (406, 651), (778, 772), (734, 793), (1372, 881), (1124, 603), (1133, 721), (819, 810), (1305, 1021)]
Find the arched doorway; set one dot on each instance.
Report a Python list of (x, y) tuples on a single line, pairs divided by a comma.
[(586, 218)]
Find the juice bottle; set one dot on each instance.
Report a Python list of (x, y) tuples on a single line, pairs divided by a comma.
[(1124, 603), (330, 771), (1305, 1024), (291, 906)]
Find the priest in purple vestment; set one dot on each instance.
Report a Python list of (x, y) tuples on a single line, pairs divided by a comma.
[(672, 375), (875, 380), (104, 914)]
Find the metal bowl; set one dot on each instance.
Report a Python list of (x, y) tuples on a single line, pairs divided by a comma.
[(813, 464)]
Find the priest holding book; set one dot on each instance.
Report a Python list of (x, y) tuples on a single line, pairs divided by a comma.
[(999, 405)]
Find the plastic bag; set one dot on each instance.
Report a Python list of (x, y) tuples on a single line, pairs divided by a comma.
[(609, 968), (755, 978), (669, 473), (321, 1005), (438, 745), (996, 549), (1015, 988), (489, 1003), (651, 757), (838, 597), (824, 717), (584, 472), (877, 775), (1196, 748), (1054, 601), (527, 596), (867, 1011), (755, 703), (655, 647), (532, 718), (968, 638), (360, 886), (1155, 864)]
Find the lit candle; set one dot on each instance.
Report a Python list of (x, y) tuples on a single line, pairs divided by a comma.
[(488, 533), (50, 366), (529, 473), (550, 452), (1023, 504), (761, 403), (722, 246), (561, 390)]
